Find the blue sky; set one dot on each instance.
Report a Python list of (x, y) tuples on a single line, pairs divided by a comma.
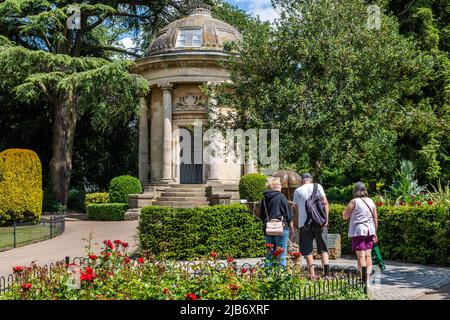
[(261, 8)]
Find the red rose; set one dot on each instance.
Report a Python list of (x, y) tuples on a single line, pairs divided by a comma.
[(108, 244), (191, 296), (269, 245), (127, 260), (18, 269), (294, 254), (89, 270), (165, 290), (92, 257), (125, 244), (252, 270), (278, 252), (243, 270), (26, 286), (140, 260), (213, 254), (86, 277), (430, 202), (230, 259), (117, 241)]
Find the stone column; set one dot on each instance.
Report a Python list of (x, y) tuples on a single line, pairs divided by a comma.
[(215, 161), (143, 140), (251, 167), (167, 134)]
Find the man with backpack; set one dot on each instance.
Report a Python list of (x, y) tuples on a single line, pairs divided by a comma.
[(312, 208)]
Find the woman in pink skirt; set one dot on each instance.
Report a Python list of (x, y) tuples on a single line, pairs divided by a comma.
[(363, 216)]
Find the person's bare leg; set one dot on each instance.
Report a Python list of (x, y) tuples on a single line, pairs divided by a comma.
[(325, 258), (309, 263), (361, 260), (369, 262)]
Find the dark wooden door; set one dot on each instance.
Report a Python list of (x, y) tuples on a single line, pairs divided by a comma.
[(191, 173)]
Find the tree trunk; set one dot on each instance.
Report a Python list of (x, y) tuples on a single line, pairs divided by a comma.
[(64, 124)]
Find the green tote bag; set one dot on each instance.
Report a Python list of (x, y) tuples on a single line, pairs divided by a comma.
[(376, 257)]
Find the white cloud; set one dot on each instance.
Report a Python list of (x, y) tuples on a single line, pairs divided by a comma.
[(261, 8), (127, 43)]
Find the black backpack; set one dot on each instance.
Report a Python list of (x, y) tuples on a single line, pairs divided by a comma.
[(315, 211)]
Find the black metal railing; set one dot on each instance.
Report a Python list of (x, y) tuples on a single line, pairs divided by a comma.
[(338, 280), (14, 234)]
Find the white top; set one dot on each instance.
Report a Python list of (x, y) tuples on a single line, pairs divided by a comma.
[(302, 194), (361, 220)]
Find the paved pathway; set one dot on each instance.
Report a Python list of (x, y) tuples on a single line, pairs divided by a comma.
[(401, 281), (70, 243)]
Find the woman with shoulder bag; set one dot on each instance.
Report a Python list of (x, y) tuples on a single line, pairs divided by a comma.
[(363, 216), (278, 221)]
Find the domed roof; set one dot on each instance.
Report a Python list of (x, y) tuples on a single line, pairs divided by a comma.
[(197, 32)]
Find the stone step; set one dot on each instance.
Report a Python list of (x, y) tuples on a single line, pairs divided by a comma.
[(179, 204), (179, 197), (188, 185), (183, 194), (185, 190)]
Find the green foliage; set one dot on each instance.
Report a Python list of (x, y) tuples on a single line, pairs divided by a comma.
[(344, 87), (120, 187), (428, 160), (20, 186), (76, 200), (405, 183), (416, 234), (113, 275), (340, 195), (96, 198), (106, 211), (252, 186), (190, 233)]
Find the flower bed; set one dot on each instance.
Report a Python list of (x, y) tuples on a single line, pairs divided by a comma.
[(113, 275)]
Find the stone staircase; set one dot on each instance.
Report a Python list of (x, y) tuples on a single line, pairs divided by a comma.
[(181, 196)]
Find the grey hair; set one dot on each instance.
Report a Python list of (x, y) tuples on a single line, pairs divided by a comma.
[(360, 190), (271, 182)]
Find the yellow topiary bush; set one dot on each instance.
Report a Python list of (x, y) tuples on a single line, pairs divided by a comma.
[(21, 191)]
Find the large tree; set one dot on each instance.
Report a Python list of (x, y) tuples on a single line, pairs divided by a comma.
[(338, 90), (71, 69)]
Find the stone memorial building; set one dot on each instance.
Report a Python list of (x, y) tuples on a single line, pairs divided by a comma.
[(184, 55)]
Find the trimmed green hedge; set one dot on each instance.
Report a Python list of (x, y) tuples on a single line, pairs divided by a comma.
[(252, 186), (107, 211), (96, 198), (191, 233), (409, 234), (120, 187)]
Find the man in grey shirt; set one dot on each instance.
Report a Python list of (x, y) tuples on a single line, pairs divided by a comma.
[(308, 234)]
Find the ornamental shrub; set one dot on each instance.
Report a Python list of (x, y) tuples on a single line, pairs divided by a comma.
[(75, 202), (96, 198), (106, 211), (416, 234), (120, 187), (20, 186), (191, 233), (252, 186)]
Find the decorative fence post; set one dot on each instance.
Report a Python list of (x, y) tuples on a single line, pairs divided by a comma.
[(51, 227), (14, 235)]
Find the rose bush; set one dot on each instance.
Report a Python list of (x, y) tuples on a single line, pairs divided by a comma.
[(111, 274)]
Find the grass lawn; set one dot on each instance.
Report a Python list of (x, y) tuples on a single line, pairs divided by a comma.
[(25, 235)]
